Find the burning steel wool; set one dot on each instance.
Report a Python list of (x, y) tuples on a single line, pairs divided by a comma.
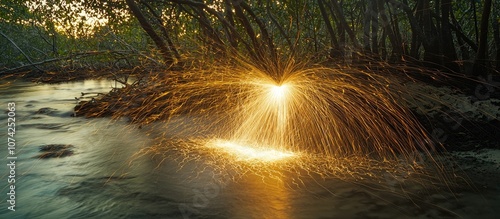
[(338, 122)]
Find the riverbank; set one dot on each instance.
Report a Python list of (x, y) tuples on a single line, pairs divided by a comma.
[(104, 159), (458, 120)]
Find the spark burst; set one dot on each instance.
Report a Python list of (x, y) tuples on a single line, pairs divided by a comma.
[(286, 118), (340, 122)]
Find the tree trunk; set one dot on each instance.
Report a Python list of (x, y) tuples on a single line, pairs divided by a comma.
[(366, 26), (418, 35), (480, 62), (383, 46), (342, 21), (374, 12), (246, 25), (447, 46), (496, 37), (335, 53), (396, 43), (146, 26), (263, 31), (340, 28), (461, 44), (229, 17), (210, 36), (431, 41), (474, 11), (163, 29)]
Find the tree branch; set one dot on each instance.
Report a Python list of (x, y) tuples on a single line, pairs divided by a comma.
[(72, 56), (136, 11), (20, 50)]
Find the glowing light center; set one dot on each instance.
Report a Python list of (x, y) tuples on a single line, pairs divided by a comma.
[(249, 153), (279, 92)]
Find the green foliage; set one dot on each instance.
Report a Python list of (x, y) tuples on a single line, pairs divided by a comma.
[(54, 31), (14, 11), (46, 29)]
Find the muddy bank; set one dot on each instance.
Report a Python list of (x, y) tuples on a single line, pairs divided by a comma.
[(457, 120)]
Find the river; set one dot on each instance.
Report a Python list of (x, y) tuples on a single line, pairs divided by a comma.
[(105, 178)]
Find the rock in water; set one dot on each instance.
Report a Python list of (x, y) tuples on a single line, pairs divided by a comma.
[(55, 151), (46, 111)]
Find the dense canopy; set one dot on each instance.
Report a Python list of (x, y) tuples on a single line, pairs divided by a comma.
[(451, 35)]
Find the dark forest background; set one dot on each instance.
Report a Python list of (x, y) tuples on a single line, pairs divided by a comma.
[(459, 36)]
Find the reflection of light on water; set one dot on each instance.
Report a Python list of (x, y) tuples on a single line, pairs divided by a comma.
[(249, 153), (345, 122), (269, 198)]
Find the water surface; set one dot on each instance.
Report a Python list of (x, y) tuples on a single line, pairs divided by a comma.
[(104, 178)]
